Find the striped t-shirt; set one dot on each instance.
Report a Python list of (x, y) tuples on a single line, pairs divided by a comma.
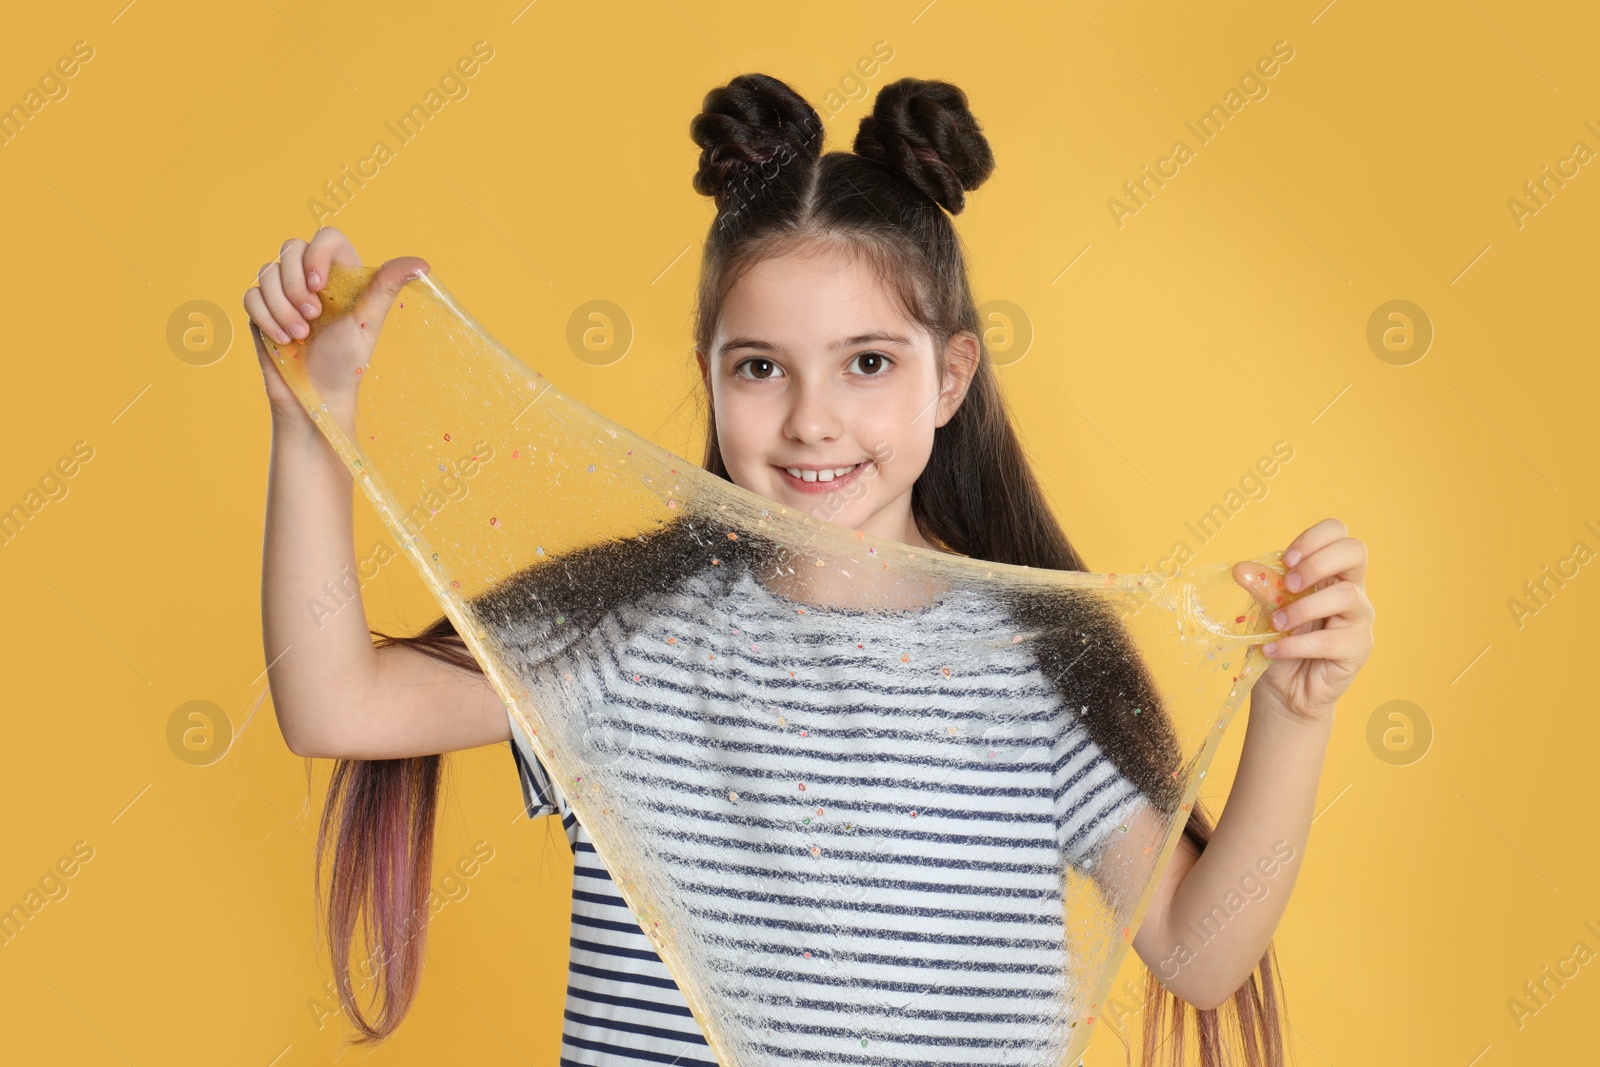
[(948, 791)]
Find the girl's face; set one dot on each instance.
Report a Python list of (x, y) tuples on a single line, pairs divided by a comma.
[(825, 396)]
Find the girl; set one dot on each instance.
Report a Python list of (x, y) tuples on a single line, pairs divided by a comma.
[(845, 375)]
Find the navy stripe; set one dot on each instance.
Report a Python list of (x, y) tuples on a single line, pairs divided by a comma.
[(980, 914), (970, 1039), (899, 1011), (781, 1053), (619, 951), (631, 927), (611, 1049), (787, 978), (1017, 767), (940, 938), (705, 839), (624, 977), (844, 882), (693, 1037), (1043, 841), (909, 962), (654, 721), (597, 898), (575, 992)]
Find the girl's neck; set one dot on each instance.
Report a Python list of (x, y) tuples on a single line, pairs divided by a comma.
[(843, 580)]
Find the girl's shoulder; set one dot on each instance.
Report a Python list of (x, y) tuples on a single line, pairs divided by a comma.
[(567, 596)]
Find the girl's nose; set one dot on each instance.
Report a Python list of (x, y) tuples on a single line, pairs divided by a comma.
[(814, 413)]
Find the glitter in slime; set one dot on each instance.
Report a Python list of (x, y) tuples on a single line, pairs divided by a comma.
[(545, 530)]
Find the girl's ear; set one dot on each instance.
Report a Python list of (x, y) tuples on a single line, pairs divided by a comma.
[(961, 354), (705, 369)]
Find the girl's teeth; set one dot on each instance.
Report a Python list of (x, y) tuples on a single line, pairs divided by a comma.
[(821, 476)]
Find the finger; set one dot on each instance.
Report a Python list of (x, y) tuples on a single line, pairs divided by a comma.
[(292, 276), (372, 306), (255, 335), (255, 305), (278, 304), (1265, 584), (1323, 533), (1341, 598), (327, 246), (1316, 644), (1345, 558), (277, 387), (269, 366)]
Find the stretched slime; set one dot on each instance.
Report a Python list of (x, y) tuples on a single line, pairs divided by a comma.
[(583, 565)]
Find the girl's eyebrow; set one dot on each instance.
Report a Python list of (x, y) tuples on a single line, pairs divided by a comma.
[(848, 342)]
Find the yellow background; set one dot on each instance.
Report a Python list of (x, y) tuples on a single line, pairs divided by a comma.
[(1169, 352)]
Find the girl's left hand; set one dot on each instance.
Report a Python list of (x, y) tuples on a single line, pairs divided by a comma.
[(1330, 625)]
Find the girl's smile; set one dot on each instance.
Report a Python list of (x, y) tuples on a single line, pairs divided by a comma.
[(811, 479)]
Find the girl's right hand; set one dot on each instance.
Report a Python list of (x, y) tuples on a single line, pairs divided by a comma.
[(285, 303)]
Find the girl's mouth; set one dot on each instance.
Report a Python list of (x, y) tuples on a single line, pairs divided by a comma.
[(822, 481)]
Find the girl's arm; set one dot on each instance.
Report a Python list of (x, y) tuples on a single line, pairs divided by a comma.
[(1213, 913), (335, 694)]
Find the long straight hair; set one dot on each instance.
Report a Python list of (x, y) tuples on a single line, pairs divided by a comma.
[(888, 202)]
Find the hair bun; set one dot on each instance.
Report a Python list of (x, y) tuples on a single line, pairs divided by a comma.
[(752, 121), (925, 131)]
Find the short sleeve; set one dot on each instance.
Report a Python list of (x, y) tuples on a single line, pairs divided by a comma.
[(540, 794), (1093, 799), (529, 634), (564, 671)]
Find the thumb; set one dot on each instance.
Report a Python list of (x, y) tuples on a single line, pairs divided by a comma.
[(1264, 583), (373, 305)]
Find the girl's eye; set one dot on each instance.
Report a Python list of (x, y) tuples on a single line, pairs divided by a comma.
[(769, 368), (877, 361), (874, 364)]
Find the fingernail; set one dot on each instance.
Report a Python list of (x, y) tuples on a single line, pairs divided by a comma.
[(283, 338), (1294, 581), (1279, 619), (298, 329), (309, 310), (1292, 556), (1270, 647), (313, 278)]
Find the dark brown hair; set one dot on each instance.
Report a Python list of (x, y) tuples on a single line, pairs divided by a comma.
[(888, 202)]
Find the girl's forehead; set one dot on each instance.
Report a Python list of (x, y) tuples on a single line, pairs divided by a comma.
[(806, 304), (809, 271)]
